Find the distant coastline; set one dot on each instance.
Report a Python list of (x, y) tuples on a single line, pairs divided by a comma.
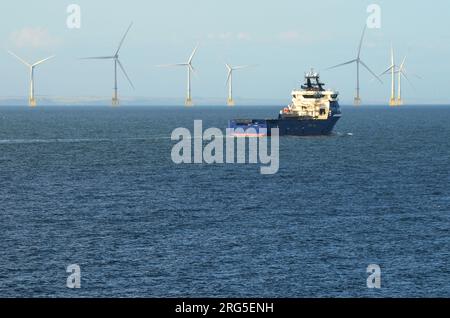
[(143, 101)]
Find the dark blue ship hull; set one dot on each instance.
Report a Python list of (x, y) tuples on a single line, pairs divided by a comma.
[(287, 126)]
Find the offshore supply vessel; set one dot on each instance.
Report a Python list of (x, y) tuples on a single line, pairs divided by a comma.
[(313, 111)]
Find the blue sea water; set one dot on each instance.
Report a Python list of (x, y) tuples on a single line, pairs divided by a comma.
[(96, 186)]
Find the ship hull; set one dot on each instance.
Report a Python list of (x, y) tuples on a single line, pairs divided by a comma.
[(303, 127), (286, 126)]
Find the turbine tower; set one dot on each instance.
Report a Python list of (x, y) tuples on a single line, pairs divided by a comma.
[(231, 69), (190, 70), (401, 72), (392, 70), (358, 62), (115, 58), (31, 98)]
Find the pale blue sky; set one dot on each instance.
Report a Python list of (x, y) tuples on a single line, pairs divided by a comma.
[(284, 37)]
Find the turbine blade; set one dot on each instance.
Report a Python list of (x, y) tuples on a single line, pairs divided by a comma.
[(193, 54), (42, 61), (123, 39), (228, 77), (20, 59), (361, 42), (125, 73), (339, 65), (242, 67), (97, 58), (172, 65), (387, 71), (371, 72), (403, 63), (193, 70), (407, 78), (392, 56)]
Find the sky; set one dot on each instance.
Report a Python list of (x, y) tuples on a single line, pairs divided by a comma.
[(283, 38)]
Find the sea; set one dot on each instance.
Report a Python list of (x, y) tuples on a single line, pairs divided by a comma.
[(97, 187)]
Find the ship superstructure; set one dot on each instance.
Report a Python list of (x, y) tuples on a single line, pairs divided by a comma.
[(312, 101)]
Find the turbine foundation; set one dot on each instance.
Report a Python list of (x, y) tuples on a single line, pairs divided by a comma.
[(32, 102), (396, 102), (189, 102), (230, 102), (393, 102)]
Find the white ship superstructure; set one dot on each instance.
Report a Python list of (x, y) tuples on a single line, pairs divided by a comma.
[(312, 100)]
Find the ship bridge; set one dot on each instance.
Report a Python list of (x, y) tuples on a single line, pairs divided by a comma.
[(312, 82)]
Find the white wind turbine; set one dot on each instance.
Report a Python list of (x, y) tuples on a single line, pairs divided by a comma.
[(392, 69), (115, 58), (231, 69), (358, 62), (401, 72), (32, 98), (190, 70)]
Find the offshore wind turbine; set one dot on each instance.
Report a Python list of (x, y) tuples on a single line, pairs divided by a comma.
[(231, 69), (115, 58), (31, 98), (358, 62), (190, 70), (401, 72), (392, 69)]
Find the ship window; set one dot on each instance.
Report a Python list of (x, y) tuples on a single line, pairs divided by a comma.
[(313, 96)]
